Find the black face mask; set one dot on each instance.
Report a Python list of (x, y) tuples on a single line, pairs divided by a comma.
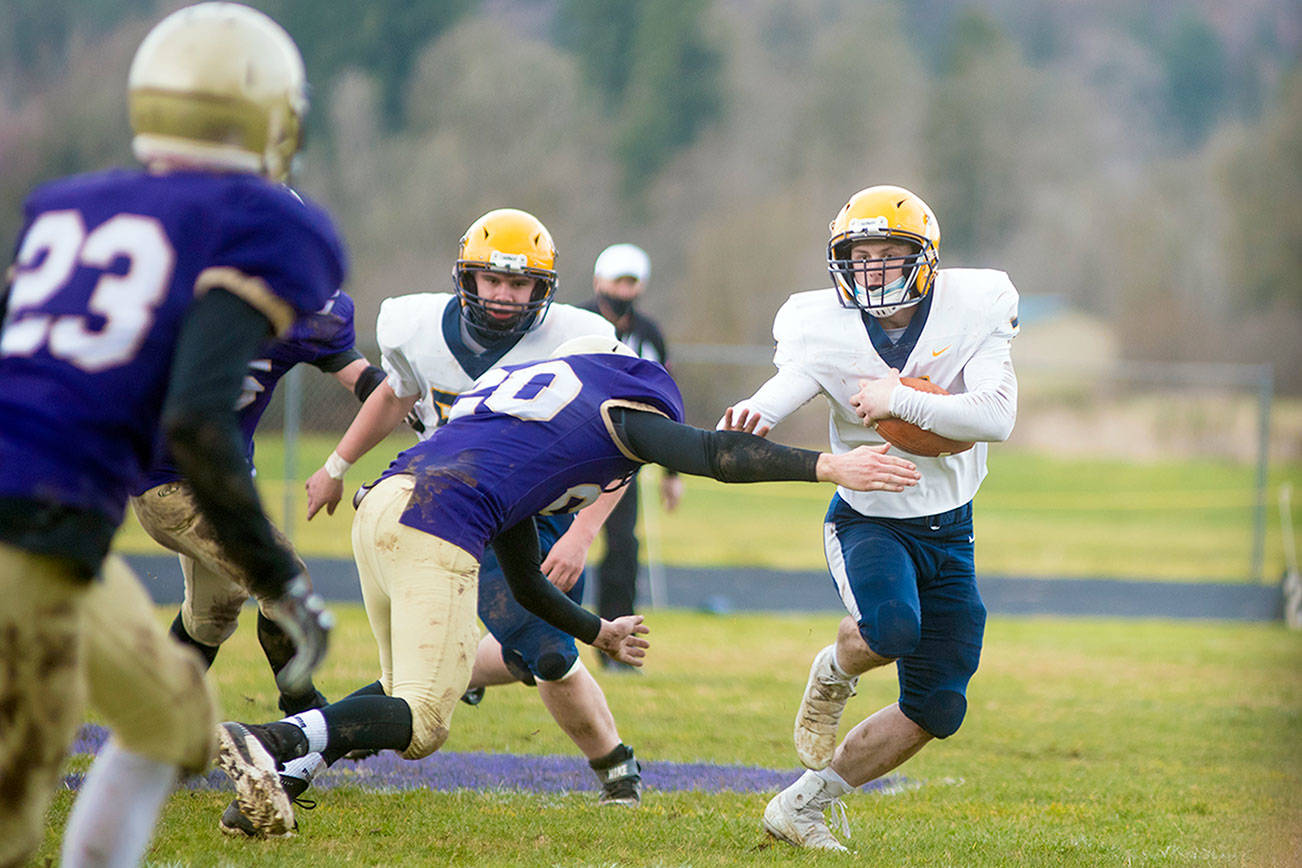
[(618, 307)]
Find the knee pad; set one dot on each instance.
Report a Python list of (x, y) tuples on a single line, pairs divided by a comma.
[(429, 729), (940, 713), (540, 652), (895, 630), (555, 665), (519, 670)]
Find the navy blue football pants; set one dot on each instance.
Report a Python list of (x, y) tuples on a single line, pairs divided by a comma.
[(531, 648), (911, 586)]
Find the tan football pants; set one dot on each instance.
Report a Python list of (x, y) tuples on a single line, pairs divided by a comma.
[(420, 594), (63, 641), (215, 588)]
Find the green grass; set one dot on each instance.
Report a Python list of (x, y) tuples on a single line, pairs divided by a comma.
[(1036, 515), (1088, 742)]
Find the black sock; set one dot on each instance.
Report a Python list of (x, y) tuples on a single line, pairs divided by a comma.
[(208, 652), (621, 753), (275, 643), (280, 649), (372, 689), (367, 722)]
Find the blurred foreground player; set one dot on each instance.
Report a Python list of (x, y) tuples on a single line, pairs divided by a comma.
[(136, 300), (903, 561), (533, 439)]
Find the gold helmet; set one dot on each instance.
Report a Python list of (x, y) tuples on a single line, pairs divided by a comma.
[(506, 241), (221, 85), (891, 213)]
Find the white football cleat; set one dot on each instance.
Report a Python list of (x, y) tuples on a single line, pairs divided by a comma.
[(258, 792), (819, 714), (795, 815)]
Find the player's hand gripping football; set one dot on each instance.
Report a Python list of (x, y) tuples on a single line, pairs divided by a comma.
[(868, 468), (301, 613), (873, 400), (621, 640)]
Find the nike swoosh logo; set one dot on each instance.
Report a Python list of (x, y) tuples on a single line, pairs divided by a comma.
[(935, 353), (971, 538)]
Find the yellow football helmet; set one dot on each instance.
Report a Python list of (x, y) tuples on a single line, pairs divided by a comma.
[(219, 84), (506, 241), (892, 213)]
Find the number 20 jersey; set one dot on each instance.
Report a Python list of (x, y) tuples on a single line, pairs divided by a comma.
[(529, 440), (105, 271)]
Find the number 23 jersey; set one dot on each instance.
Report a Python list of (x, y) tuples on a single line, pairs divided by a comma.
[(106, 269)]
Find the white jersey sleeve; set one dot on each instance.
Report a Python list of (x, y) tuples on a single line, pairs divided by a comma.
[(793, 385), (987, 409)]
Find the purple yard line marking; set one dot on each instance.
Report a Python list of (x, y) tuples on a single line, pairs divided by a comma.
[(447, 771)]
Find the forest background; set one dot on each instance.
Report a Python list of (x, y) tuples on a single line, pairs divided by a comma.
[(1137, 163)]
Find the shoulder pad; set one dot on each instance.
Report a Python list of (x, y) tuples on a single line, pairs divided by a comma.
[(569, 321), (402, 316)]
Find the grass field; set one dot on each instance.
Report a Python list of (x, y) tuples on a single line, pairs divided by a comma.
[(1088, 742), (1036, 516)]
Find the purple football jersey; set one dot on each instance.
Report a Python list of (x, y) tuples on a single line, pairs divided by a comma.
[(315, 338), (105, 271), (528, 440)]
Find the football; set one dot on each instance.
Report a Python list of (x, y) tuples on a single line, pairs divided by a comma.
[(914, 440)]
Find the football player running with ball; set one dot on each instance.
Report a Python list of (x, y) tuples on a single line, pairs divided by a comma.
[(535, 439), (902, 561), (134, 305)]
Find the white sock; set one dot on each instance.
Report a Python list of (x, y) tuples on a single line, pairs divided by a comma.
[(313, 724), (113, 819), (833, 782), (837, 670), (305, 767)]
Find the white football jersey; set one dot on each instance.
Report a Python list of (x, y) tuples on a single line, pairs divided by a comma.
[(964, 347), (418, 359)]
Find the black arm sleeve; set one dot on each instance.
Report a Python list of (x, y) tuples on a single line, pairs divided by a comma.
[(729, 456), (336, 362), (220, 336), (518, 552), (367, 381)]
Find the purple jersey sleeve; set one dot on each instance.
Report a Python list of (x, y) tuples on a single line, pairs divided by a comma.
[(322, 335)]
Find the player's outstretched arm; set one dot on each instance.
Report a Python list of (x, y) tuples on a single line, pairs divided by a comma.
[(518, 552), (379, 415), (735, 456), (220, 336)]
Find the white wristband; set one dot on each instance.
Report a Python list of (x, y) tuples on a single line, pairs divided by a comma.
[(336, 467)]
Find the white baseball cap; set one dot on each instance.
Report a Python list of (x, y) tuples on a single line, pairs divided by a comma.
[(623, 260)]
